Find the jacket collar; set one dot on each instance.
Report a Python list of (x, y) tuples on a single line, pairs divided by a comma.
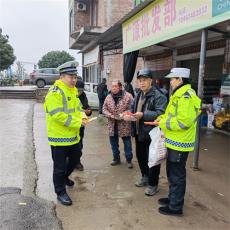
[(181, 90), (120, 94), (59, 83), (150, 93)]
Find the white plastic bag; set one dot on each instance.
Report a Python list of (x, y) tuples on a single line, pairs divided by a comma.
[(157, 149)]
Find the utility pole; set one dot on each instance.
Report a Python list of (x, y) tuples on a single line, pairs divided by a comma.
[(200, 93)]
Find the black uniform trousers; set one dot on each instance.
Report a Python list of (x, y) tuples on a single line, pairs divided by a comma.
[(142, 153), (82, 133), (176, 173), (64, 161)]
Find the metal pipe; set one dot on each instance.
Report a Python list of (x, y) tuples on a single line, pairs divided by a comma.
[(200, 93)]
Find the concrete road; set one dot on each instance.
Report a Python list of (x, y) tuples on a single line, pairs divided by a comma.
[(105, 197), (19, 207), (16, 144), (20, 212)]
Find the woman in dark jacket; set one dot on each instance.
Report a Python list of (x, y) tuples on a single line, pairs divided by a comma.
[(149, 103)]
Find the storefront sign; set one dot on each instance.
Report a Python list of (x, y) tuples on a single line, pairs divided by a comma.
[(166, 19), (220, 7)]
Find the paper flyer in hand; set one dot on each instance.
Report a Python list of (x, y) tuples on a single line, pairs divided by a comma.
[(92, 119), (128, 116)]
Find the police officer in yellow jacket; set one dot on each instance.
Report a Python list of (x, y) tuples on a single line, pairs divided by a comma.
[(179, 125), (64, 119)]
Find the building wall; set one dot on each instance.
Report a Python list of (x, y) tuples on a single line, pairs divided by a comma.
[(111, 11), (120, 9), (159, 64), (115, 64), (101, 13), (108, 13), (81, 18)]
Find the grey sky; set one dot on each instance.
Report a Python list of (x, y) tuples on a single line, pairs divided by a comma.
[(36, 27)]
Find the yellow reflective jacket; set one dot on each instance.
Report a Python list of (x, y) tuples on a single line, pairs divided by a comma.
[(180, 119), (63, 115)]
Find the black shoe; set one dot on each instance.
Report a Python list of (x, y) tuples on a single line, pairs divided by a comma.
[(64, 199), (80, 167), (69, 182), (115, 162), (163, 201), (167, 211)]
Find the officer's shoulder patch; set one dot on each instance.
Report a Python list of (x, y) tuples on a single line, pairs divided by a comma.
[(55, 89), (186, 95)]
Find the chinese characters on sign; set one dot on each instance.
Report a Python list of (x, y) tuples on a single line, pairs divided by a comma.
[(145, 25), (165, 19), (141, 26), (170, 12), (136, 30), (156, 19)]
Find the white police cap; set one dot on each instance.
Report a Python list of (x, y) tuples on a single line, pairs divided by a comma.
[(179, 72), (68, 68)]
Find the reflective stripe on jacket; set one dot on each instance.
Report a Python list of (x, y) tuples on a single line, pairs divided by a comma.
[(180, 119), (63, 115)]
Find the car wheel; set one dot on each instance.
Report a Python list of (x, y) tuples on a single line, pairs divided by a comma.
[(40, 83)]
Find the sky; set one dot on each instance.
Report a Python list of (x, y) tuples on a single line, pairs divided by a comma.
[(36, 27)]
